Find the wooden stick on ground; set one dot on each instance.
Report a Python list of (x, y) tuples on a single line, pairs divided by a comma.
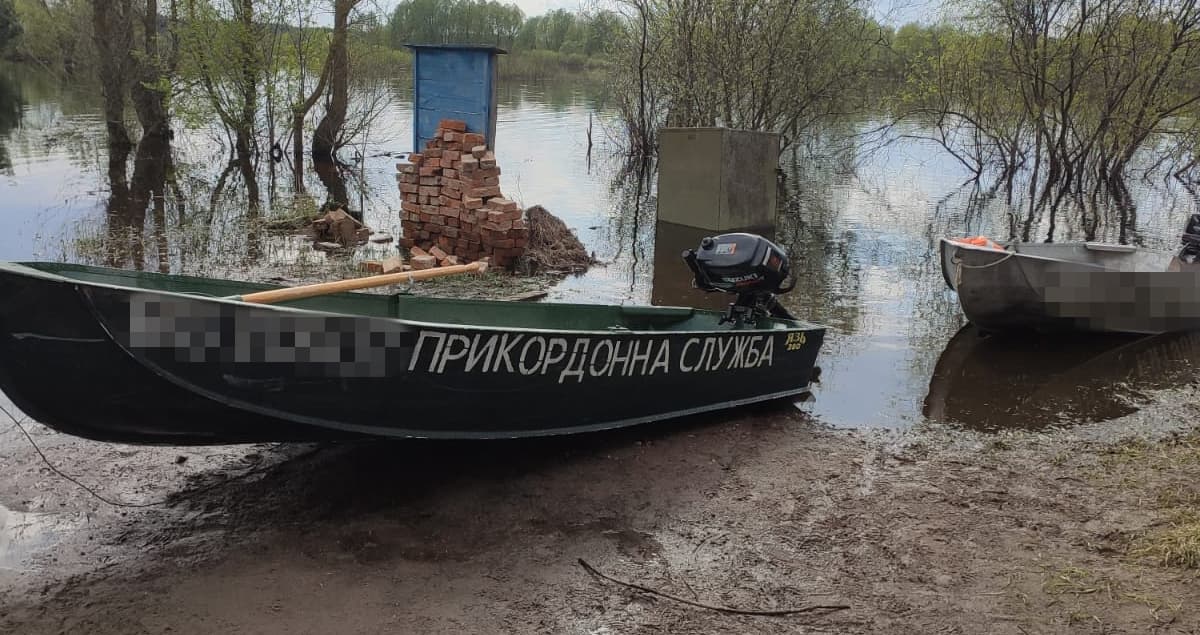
[(324, 288), (723, 609)]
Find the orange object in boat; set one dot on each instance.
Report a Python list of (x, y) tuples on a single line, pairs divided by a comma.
[(980, 241)]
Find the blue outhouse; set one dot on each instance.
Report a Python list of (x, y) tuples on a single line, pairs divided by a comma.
[(454, 81)]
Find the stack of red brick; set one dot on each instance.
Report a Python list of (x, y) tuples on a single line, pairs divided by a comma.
[(452, 205)]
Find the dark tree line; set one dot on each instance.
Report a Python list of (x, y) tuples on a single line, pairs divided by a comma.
[(10, 26), (500, 24)]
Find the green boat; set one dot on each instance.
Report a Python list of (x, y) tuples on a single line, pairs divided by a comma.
[(139, 357)]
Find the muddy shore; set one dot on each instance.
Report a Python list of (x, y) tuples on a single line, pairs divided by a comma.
[(920, 531)]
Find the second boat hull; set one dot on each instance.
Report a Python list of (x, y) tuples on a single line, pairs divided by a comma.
[(1004, 291)]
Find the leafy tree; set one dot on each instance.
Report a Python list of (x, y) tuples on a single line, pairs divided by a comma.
[(10, 25), (326, 136), (774, 65), (601, 32), (529, 36), (57, 34), (455, 21), (556, 28)]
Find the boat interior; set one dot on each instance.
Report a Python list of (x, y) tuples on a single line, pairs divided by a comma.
[(1101, 255), (419, 308), (1107, 255)]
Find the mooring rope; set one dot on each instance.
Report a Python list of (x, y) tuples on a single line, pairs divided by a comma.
[(960, 263), (169, 499)]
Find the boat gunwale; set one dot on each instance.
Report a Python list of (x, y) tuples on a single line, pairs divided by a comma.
[(1018, 254), (29, 270)]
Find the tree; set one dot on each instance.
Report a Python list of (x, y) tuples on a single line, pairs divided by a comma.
[(149, 92), (113, 34), (601, 31), (457, 21), (772, 65), (325, 137), (220, 47), (10, 25), (1077, 93), (529, 35), (305, 101), (556, 27)]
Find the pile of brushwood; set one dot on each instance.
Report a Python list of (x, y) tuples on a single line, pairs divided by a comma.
[(552, 245)]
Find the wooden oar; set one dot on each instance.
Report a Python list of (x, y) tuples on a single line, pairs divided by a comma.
[(324, 288)]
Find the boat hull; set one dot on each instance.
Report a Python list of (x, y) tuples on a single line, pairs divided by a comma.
[(143, 366), (1004, 291)]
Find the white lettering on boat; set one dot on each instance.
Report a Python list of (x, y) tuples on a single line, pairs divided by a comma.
[(539, 358), (437, 352), (589, 356), (454, 356), (505, 349), (576, 369), (605, 345), (683, 365), (478, 353), (663, 360), (639, 356), (553, 358)]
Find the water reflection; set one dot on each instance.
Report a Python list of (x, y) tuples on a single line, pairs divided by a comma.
[(22, 533), (130, 200), (672, 282), (334, 181), (1029, 381), (10, 116)]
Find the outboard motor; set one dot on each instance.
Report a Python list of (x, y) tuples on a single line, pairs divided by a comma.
[(1190, 252), (748, 265)]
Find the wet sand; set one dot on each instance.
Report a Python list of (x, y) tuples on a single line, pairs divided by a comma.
[(926, 530)]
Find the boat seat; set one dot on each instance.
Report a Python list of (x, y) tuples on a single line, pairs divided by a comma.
[(656, 315), (678, 312), (1110, 247)]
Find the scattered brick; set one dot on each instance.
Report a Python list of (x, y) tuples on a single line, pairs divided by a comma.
[(393, 264)]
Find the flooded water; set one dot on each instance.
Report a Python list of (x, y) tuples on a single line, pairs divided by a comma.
[(22, 533), (862, 231)]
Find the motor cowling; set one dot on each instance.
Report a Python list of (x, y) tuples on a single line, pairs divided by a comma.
[(1189, 252), (745, 264)]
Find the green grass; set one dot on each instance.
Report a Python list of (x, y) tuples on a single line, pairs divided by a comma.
[(1076, 581), (549, 65), (1178, 545), (1172, 468)]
